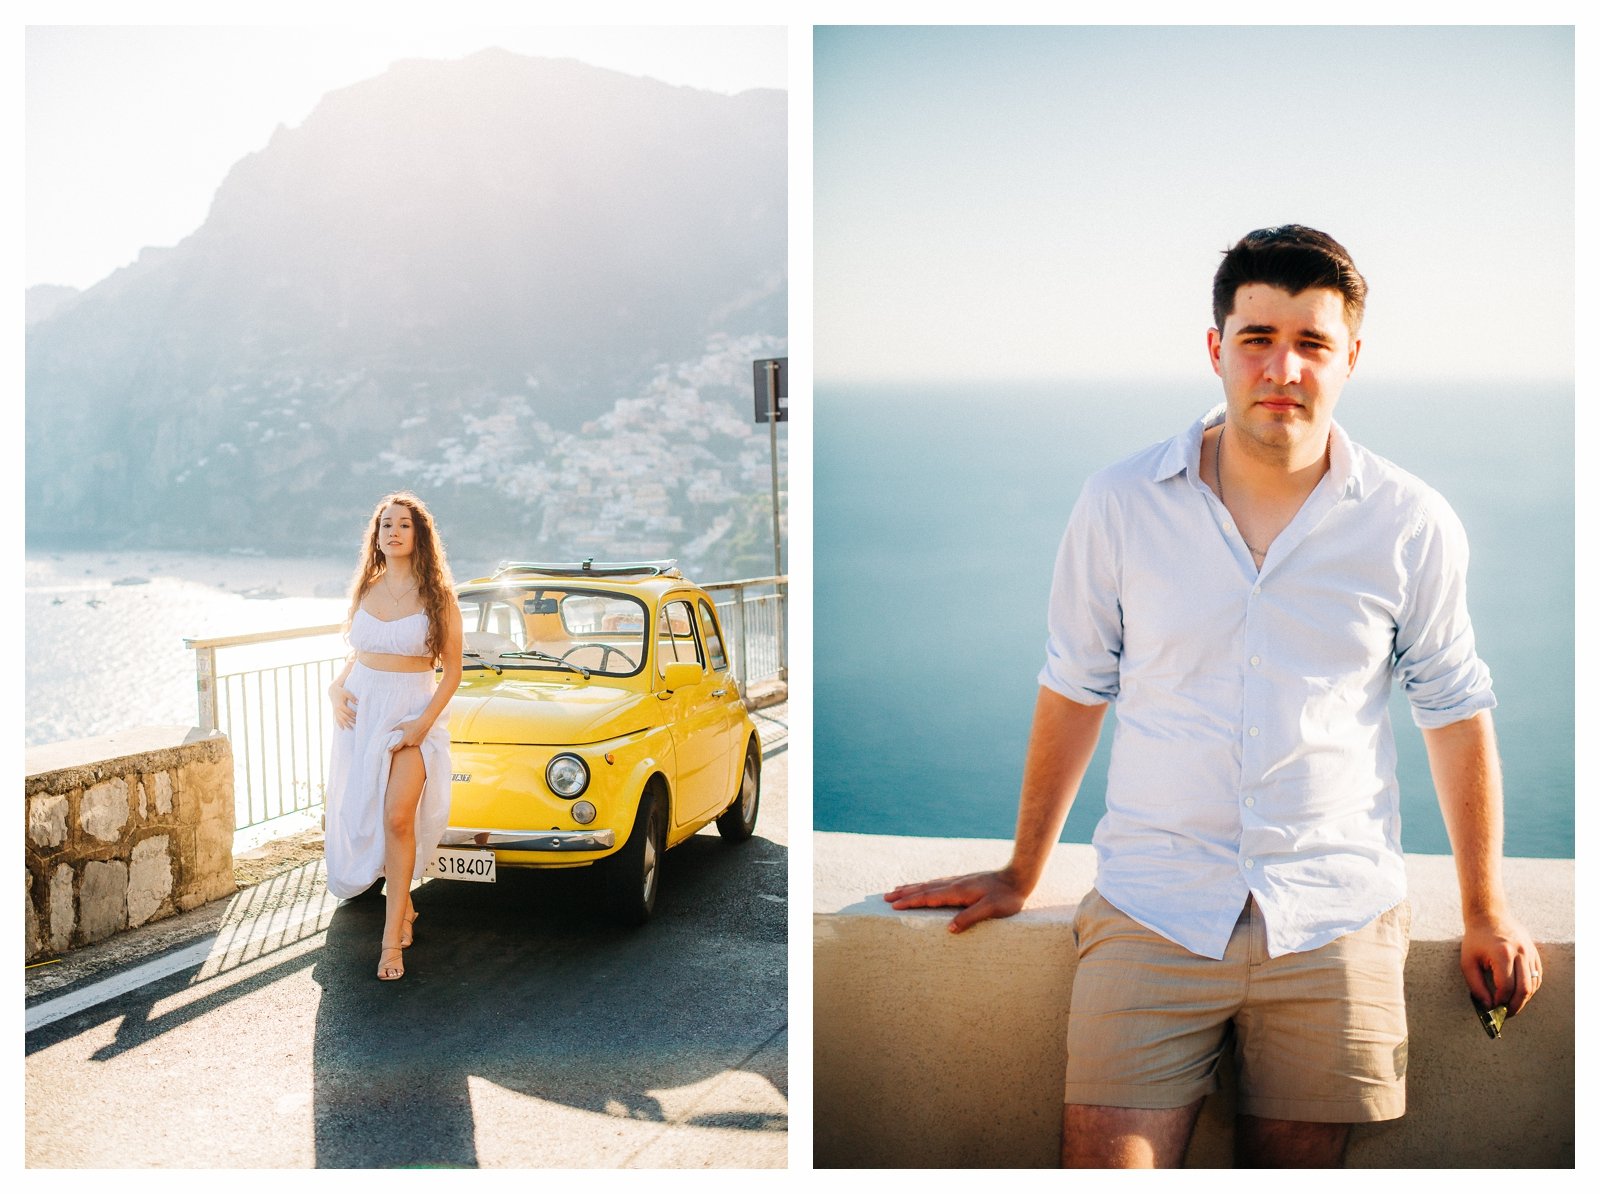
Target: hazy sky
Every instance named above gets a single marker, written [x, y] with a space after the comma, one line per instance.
[130, 130]
[1052, 202]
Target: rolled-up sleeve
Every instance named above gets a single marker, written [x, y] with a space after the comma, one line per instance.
[1436, 659]
[1083, 650]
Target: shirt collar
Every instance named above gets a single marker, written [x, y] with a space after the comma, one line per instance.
[1182, 455]
[1183, 451]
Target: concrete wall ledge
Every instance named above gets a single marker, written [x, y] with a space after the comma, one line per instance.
[934, 1050]
[766, 693]
[83, 762]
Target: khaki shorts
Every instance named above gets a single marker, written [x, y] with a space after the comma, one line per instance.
[1319, 1036]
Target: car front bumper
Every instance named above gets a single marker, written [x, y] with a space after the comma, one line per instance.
[551, 841]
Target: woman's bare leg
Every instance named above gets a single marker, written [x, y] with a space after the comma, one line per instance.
[406, 777]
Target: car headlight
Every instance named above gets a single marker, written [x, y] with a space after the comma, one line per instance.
[567, 775]
[583, 812]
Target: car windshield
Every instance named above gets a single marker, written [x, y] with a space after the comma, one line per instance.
[554, 628]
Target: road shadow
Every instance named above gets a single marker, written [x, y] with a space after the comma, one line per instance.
[526, 984]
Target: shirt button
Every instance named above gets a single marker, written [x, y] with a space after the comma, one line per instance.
[1256, 590]
[1249, 863]
[1255, 661]
[1254, 732]
[1249, 802]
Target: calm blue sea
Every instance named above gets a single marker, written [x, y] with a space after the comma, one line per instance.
[937, 516]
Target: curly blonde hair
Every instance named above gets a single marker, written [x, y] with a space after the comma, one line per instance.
[435, 585]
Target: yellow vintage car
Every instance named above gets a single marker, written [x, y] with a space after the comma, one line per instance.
[598, 724]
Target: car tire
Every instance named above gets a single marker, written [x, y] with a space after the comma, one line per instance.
[739, 821]
[633, 873]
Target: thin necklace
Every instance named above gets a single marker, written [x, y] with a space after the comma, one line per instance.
[395, 601]
[1255, 551]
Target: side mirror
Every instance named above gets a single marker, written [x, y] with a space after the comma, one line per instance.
[682, 675]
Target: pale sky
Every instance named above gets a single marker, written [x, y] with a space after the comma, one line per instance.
[1052, 202]
[129, 130]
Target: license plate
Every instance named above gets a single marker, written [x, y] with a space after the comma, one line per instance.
[474, 866]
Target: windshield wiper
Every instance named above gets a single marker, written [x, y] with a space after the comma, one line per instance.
[582, 671]
[482, 662]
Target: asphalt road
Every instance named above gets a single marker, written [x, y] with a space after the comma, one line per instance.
[528, 1030]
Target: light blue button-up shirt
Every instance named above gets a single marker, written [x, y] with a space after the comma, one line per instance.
[1253, 753]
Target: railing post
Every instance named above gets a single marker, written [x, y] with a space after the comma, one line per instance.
[205, 667]
[782, 612]
[744, 640]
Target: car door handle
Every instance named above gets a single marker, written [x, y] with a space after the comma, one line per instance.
[717, 692]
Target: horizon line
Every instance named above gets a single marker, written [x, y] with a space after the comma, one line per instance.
[946, 381]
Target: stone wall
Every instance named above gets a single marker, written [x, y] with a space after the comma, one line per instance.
[123, 830]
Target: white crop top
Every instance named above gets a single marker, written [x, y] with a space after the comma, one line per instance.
[403, 636]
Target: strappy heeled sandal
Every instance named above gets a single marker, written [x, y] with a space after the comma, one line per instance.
[398, 965]
[407, 933]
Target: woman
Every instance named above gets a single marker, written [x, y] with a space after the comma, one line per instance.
[389, 777]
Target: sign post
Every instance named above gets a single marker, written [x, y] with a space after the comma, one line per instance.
[772, 408]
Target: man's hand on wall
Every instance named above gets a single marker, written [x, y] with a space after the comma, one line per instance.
[979, 896]
[1501, 963]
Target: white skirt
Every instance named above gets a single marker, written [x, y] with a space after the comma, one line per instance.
[358, 777]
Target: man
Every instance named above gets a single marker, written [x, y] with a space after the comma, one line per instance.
[1247, 592]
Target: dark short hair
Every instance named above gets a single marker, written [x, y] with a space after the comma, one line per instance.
[1293, 258]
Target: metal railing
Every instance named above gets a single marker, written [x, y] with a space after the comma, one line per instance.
[754, 616]
[280, 724]
[278, 719]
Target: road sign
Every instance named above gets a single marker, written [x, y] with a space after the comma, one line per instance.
[763, 393]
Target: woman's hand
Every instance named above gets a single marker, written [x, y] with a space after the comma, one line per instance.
[344, 705]
[411, 733]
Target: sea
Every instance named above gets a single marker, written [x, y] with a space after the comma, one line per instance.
[937, 513]
[105, 630]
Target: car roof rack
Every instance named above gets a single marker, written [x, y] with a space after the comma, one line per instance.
[587, 568]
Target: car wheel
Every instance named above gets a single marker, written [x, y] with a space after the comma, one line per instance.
[739, 821]
[633, 873]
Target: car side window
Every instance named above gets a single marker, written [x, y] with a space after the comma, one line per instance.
[502, 618]
[713, 640]
[675, 636]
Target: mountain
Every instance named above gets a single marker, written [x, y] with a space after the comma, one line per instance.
[45, 300]
[463, 261]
